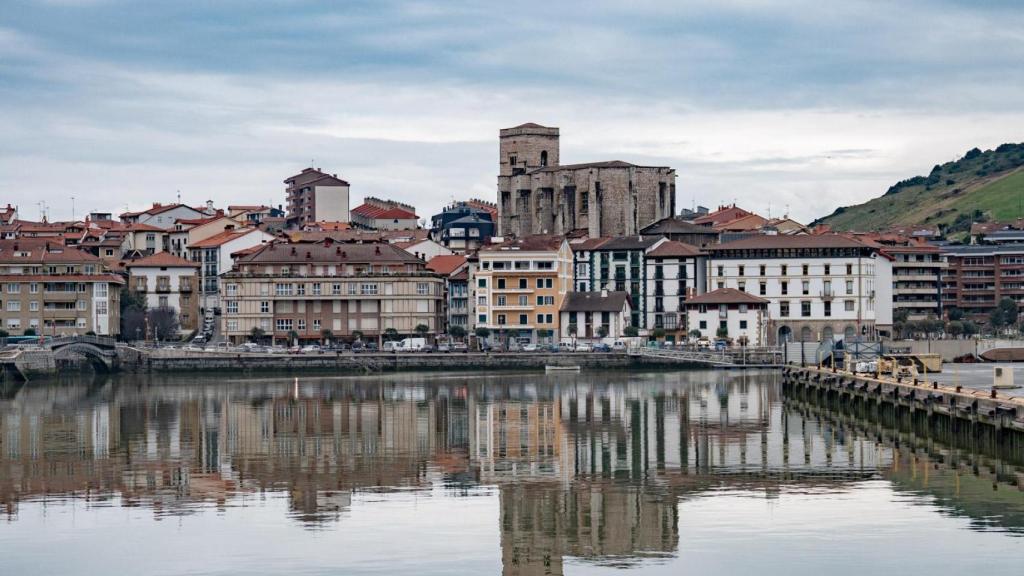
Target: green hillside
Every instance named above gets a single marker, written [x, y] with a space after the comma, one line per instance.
[981, 186]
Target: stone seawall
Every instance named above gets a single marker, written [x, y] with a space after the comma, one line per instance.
[372, 363]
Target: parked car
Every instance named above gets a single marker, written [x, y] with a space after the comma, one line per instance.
[602, 347]
[444, 348]
[460, 347]
[276, 350]
[583, 347]
[192, 348]
[703, 343]
[530, 348]
[250, 347]
[312, 349]
[619, 346]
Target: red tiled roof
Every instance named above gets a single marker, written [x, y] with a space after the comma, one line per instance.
[722, 215]
[588, 244]
[725, 296]
[445, 264]
[397, 214]
[138, 227]
[222, 238]
[673, 249]
[785, 241]
[161, 260]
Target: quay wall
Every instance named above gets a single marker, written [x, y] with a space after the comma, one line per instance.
[372, 363]
[994, 420]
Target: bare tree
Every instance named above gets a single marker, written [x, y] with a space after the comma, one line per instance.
[163, 323]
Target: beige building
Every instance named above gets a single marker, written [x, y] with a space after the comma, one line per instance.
[168, 281]
[537, 195]
[309, 287]
[315, 196]
[56, 290]
[520, 285]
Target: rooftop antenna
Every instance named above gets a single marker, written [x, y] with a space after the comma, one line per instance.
[769, 209]
[179, 196]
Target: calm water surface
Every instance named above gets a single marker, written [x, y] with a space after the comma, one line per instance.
[664, 473]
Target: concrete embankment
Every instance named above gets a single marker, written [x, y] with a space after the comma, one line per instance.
[992, 418]
[370, 363]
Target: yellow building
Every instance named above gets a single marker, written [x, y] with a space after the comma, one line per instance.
[520, 285]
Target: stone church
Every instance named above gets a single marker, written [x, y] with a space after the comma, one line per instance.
[537, 195]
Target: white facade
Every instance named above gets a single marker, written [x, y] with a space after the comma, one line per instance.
[741, 321]
[426, 249]
[814, 292]
[167, 218]
[331, 203]
[165, 286]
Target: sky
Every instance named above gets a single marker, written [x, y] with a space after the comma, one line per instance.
[798, 106]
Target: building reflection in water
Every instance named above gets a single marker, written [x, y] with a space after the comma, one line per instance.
[587, 466]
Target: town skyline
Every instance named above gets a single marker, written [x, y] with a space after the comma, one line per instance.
[407, 98]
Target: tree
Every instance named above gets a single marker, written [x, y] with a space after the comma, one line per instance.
[256, 334]
[658, 333]
[631, 331]
[602, 331]
[955, 328]
[357, 334]
[133, 315]
[133, 323]
[955, 314]
[457, 332]
[970, 328]
[4, 334]
[293, 337]
[694, 333]
[422, 330]
[572, 328]
[390, 334]
[325, 336]
[1009, 311]
[722, 332]
[30, 332]
[482, 332]
[163, 323]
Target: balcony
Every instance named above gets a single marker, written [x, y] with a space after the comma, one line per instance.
[163, 288]
[184, 286]
[60, 296]
[827, 294]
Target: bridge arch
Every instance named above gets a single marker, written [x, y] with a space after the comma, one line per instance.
[101, 359]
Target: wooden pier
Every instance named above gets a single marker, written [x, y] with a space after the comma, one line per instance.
[990, 416]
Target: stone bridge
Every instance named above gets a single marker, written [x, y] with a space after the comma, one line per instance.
[100, 351]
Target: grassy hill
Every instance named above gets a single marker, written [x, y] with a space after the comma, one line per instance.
[981, 186]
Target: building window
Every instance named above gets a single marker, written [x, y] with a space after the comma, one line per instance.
[33, 288]
[784, 308]
[481, 318]
[14, 288]
[501, 301]
[232, 324]
[742, 286]
[283, 289]
[548, 318]
[316, 325]
[721, 270]
[481, 283]
[523, 320]
[523, 300]
[501, 284]
[317, 289]
[762, 289]
[828, 269]
[283, 324]
[229, 289]
[80, 304]
[523, 285]
[501, 319]
[785, 269]
[300, 290]
[161, 302]
[368, 289]
[302, 325]
[14, 306]
[33, 306]
[422, 288]
[849, 286]
[849, 269]
[828, 308]
[805, 287]
[232, 306]
[743, 324]
[336, 289]
[805, 269]
[805, 309]
[540, 282]
[784, 285]
[848, 305]
[703, 324]
[742, 269]
[540, 318]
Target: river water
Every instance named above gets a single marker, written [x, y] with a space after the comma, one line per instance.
[691, 472]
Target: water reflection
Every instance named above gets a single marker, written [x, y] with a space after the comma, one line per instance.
[588, 467]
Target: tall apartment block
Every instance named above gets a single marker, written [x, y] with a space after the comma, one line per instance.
[315, 196]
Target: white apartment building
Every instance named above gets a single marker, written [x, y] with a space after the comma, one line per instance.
[168, 281]
[729, 313]
[818, 286]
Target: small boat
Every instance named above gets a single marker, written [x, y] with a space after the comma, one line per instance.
[551, 368]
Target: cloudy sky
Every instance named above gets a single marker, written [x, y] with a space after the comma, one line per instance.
[805, 104]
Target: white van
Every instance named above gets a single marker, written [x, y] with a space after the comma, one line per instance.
[411, 344]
